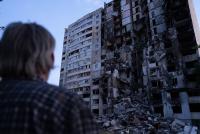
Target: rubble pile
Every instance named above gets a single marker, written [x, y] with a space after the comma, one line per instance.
[133, 115]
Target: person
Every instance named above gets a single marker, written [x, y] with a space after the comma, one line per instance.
[28, 104]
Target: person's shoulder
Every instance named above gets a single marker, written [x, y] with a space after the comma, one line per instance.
[67, 97]
[46, 93]
[50, 88]
[39, 89]
[64, 99]
[62, 91]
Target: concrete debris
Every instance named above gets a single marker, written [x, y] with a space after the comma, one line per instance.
[133, 115]
[190, 130]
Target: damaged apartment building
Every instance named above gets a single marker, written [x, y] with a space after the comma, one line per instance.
[137, 46]
[149, 46]
[169, 60]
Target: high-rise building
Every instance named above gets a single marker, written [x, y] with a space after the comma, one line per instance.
[81, 59]
[145, 46]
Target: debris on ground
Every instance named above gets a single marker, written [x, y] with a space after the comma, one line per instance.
[133, 115]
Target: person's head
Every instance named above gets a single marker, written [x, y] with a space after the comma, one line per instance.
[26, 51]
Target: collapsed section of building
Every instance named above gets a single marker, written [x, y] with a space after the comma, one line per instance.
[150, 46]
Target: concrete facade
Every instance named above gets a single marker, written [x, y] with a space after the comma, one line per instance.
[81, 59]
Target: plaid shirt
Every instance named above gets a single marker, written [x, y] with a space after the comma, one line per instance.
[35, 107]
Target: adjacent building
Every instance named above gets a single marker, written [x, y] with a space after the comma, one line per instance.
[81, 59]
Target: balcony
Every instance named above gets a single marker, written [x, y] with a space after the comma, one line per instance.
[191, 57]
[152, 65]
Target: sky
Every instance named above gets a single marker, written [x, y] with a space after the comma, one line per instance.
[197, 9]
[55, 15]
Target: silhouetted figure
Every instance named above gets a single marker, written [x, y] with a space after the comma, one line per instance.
[28, 104]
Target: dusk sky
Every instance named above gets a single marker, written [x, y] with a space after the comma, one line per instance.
[55, 15]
